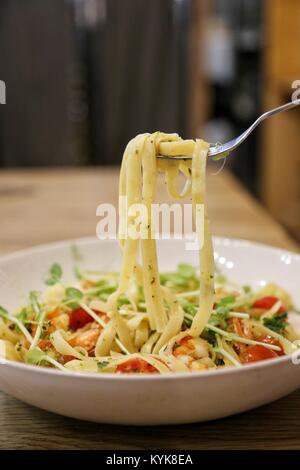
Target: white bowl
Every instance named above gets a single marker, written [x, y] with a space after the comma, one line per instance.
[149, 400]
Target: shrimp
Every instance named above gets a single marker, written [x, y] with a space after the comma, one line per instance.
[88, 338]
[190, 350]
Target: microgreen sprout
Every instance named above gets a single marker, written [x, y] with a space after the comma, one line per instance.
[36, 356]
[73, 296]
[4, 314]
[54, 275]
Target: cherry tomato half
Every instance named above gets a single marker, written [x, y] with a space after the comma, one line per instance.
[258, 352]
[268, 302]
[79, 318]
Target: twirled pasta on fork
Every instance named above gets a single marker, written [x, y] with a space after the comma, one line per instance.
[141, 320]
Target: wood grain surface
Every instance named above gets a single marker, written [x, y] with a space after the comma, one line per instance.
[41, 206]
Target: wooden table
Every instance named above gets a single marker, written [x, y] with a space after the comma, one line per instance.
[40, 206]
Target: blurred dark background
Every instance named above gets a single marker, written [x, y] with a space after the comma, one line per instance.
[85, 76]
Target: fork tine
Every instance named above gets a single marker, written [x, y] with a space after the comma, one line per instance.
[217, 149]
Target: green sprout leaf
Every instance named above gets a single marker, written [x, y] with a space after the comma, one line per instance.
[77, 257]
[221, 314]
[35, 305]
[226, 301]
[186, 270]
[220, 157]
[78, 272]
[123, 300]
[102, 292]
[22, 316]
[221, 279]
[185, 275]
[73, 293]
[3, 312]
[73, 297]
[247, 289]
[35, 356]
[173, 278]
[54, 275]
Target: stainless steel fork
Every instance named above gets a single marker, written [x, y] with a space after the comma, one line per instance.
[220, 150]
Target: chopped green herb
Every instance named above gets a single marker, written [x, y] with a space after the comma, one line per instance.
[220, 361]
[210, 336]
[102, 364]
[276, 323]
[190, 308]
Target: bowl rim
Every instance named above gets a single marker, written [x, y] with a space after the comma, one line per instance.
[141, 377]
[205, 375]
[219, 240]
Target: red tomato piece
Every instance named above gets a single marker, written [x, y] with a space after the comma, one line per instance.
[258, 353]
[269, 340]
[79, 318]
[136, 365]
[67, 358]
[266, 303]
